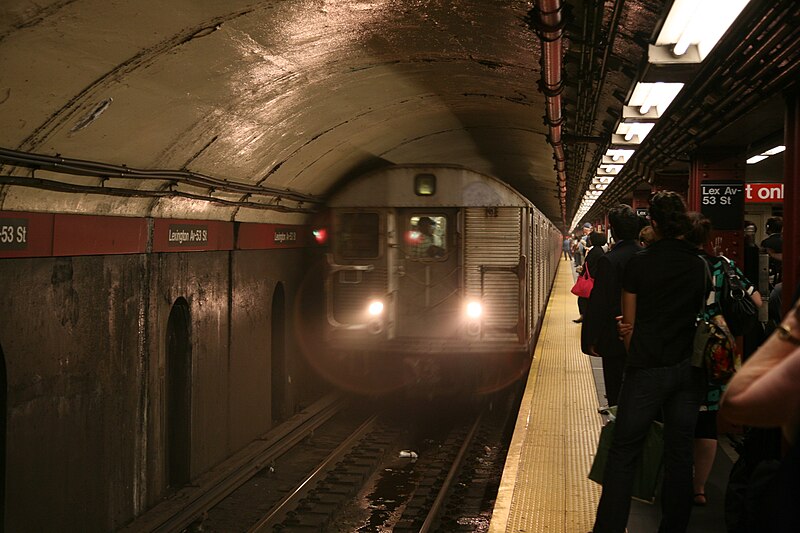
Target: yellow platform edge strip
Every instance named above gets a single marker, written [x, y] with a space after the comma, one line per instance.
[544, 486]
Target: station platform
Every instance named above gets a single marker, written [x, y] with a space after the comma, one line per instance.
[545, 487]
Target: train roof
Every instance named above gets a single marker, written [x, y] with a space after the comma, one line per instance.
[457, 186]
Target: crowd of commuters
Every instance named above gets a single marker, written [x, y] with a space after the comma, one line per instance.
[651, 288]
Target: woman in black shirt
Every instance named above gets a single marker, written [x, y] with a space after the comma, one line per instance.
[663, 291]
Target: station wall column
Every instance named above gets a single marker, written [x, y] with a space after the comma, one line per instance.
[716, 189]
[791, 200]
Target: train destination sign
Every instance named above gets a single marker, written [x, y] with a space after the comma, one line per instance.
[13, 233]
[723, 203]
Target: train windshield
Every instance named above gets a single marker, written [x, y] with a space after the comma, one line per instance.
[358, 235]
[426, 237]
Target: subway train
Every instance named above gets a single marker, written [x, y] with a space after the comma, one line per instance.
[435, 280]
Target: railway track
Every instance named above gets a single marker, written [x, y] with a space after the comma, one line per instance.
[343, 468]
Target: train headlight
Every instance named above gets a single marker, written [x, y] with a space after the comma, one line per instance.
[375, 312]
[474, 310]
[375, 308]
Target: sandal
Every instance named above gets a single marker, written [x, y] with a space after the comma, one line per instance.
[700, 499]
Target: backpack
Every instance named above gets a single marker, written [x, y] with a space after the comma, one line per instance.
[738, 309]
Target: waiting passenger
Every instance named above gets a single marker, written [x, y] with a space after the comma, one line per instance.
[773, 245]
[647, 236]
[705, 435]
[599, 333]
[595, 240]
[662, 289]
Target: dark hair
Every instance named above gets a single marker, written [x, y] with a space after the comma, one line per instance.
[774, 224]
[624, 222]
[668, 210]
[701, 229]
[597, 238]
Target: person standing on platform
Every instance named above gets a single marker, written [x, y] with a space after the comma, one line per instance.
[773, 245]
[662, 291]
[705, 437]
[755, 335]
[595, 242]
[599, 332]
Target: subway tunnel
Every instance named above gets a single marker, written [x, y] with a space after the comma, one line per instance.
[163, 167]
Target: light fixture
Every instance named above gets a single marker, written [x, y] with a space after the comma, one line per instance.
[763, 155]
[773, 151]
[617, 155]
[634, 132]
[692, 29]
[651, 96]
[756, 159]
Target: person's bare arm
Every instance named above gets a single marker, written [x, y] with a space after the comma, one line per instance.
[628, 317]
[765, 392]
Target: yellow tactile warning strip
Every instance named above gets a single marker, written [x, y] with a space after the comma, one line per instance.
[545, 485]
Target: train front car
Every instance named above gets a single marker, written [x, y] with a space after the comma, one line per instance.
[435, 282]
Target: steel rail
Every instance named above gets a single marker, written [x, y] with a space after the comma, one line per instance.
[433, 513]
[275, 444]
[291, 499]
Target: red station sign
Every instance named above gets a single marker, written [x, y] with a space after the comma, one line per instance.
[763, 193]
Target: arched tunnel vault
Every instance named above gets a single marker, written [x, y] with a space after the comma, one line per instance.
[291, 94]
[256, 110]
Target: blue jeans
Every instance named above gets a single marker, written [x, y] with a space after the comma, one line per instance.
[676, 391]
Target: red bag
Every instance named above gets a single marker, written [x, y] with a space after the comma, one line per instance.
[584, 284]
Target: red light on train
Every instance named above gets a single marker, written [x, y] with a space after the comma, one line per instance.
[320, 235]
[413, 237]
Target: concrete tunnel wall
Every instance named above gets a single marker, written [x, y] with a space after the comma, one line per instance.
[85, 354]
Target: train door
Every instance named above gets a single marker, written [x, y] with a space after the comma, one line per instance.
[428, 292]
[494, 269]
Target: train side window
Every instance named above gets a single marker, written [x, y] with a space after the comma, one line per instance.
[426, 237]
[358, 236]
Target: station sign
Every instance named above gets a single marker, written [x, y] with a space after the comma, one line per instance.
[642, 212]
[722, 202]
[763, 193]
[13, 234]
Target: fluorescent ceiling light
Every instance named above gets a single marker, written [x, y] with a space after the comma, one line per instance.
[699, 23]
[763, 155]
[610, 169]
[634, 129]
[619, 155]
[773, 151]
[654, 95]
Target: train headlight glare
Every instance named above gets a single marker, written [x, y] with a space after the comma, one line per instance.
[375, 308]
[474, 310]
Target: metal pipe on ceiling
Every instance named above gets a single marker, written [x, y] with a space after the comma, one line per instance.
[550, 28]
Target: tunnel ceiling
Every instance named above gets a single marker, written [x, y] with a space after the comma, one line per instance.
[153, 108]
